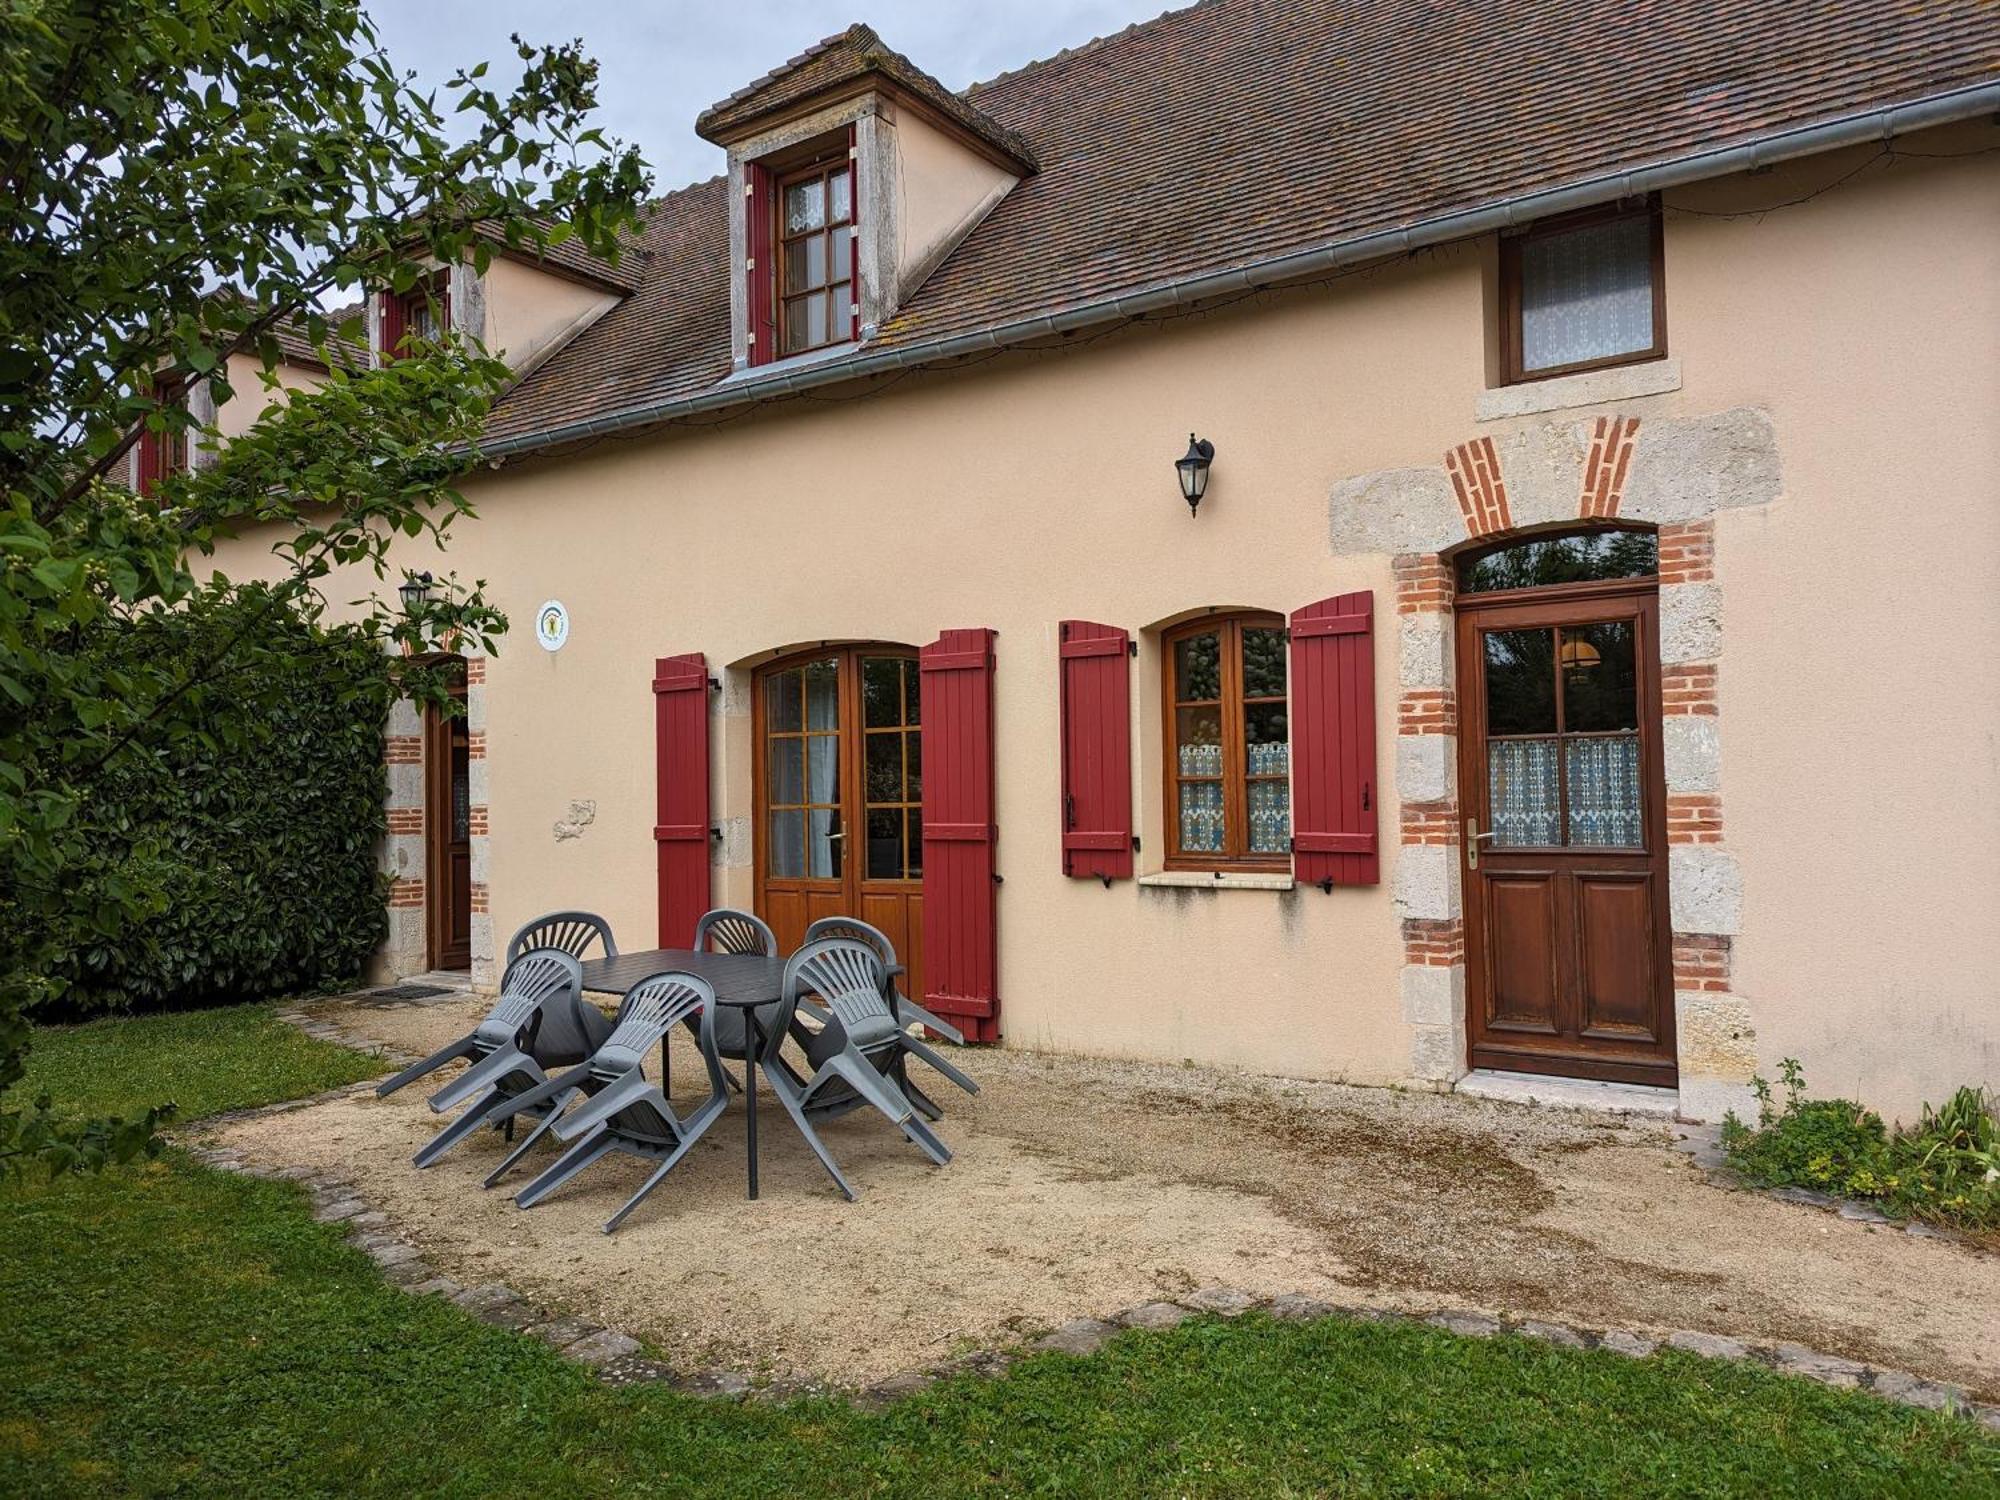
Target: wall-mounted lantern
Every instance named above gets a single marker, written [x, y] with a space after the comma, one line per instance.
[1193, 469]
[416, 591]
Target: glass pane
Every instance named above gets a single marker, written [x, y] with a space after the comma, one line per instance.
[885, 844]
[781, 701]
[1520, 682]
[822, 848]
[1600, 690]
[1198, 735]
[913, 690]
[786, 773]
[788, 843]
[1587, 293]
[1270, 817]
[1564, 559]
[1263, 663]
[843, 255]
[1201, 817]
[1264, 730]
[913, 762]
[823, 695]
[913, 820]
[816, 320]
[822, 768]
[1521, 794]
[461, 789]
[796, 321]
[885, 767]
[815, 261]
[881, 691]
[797, 266]
[1603, 772]
[838, 196]
[805, 205]
[1198, 668]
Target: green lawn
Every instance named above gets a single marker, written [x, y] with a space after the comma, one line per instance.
[175, 1330]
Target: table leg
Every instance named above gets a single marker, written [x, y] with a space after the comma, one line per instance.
[754, 1035]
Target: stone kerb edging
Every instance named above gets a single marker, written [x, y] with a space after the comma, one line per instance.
[619, 1360]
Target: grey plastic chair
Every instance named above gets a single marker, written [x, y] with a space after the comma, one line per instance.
[538, 1025]
[907, 1011]
[528, 982]
[571, 931]
[626, 1111]
[853, 1054]
[726, 930]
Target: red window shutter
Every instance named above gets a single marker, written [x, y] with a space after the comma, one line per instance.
[680, 699]
[959, 907]
[1096, 750]
[760, 286]
[1333, 742]
[389, 314]
[152, 461]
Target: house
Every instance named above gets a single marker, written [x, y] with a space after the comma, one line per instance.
[1566, 650]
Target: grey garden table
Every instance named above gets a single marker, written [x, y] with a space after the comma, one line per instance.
[743, 981]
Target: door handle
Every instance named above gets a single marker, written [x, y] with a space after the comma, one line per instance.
[1472, 838]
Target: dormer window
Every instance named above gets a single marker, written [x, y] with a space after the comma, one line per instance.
[163, 454]
[816, 296]
[420, 314]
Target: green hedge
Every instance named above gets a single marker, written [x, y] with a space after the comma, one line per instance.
[259, 830]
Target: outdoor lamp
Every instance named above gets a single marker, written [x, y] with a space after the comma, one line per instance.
[416, 591]
[1579, 656]
[1193, 469]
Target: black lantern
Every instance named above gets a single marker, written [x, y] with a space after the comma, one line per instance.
[416, 591]
[1193, 469]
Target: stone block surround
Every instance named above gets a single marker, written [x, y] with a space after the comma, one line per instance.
[1673, 473]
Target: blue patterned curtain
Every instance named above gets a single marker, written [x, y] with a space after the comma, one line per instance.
[1603, 773]
[1587, 294]
[1523, 792]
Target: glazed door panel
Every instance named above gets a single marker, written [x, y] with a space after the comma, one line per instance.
[1564, 848]
[448, 837]
[839, 791]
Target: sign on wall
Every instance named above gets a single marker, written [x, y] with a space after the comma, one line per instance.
[552, 625]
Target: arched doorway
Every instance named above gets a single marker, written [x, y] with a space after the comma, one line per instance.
[1563, 795]
[448, 830]
[839, 794]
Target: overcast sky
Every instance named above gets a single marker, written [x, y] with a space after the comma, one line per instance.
[663, 63]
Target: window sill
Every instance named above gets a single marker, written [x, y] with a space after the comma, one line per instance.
[1214, 880]
[830, 354]
[1591, 388]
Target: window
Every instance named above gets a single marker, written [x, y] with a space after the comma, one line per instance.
[165, 453]
[422, 313]
[816, 256]
[1581, 292]
[1541, 562]
[1229, 800]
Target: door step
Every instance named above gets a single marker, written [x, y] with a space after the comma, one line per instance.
[1571, 1093]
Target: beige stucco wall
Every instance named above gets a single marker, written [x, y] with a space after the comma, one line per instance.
[528, 309]
[1859, 776]
[250, 394]
[944, 189]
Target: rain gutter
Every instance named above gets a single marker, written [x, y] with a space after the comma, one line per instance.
[1784, 145]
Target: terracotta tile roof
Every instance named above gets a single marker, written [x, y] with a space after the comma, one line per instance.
[842, 59]
[571, 258]
[1238, 130]
[346, 334]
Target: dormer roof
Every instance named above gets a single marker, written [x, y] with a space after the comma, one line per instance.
[843, 64]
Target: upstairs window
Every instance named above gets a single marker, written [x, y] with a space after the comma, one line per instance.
[816, 256]
[163, 454]
[1229, 803]
[421, 314]
[1582, 292]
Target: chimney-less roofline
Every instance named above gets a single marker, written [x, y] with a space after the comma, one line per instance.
[1505, 213]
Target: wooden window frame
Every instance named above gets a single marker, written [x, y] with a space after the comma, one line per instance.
[430, 291]
[824, 160]
[1235, 855]
[163, 454]
[1511, 371]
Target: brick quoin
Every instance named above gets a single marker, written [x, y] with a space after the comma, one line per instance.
[1435, 942]
[406, 820]
[1427, 711]
[1688, 689]
[475, 745]
[405, 894]
[1423, 583]
[1701, 962]
[478, 897]
[475, 670]
[1430, 823]
[1687, 553]
[1604, 471]
[403, 750]
[475, 821]
[1694, 818]
[1482, 494]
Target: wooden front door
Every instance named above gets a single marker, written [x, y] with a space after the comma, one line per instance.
[1567, 931]
[839, 795]
[448, 836]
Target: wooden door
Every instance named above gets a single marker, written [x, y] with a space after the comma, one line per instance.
[839, 795]
[1563, 795]
[448, 836]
